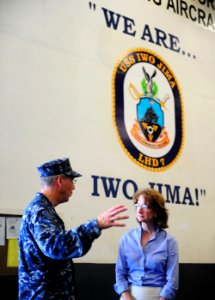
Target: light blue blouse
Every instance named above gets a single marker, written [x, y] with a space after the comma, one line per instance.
[155, 265]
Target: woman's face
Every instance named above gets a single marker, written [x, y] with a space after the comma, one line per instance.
[144, 212]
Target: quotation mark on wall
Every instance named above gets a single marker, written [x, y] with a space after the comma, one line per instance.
[199, 193]
[92, 5]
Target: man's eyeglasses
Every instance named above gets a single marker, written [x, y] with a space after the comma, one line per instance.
[145, 206]
[74, 180]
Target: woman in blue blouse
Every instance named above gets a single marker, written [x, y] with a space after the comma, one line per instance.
[147, 266]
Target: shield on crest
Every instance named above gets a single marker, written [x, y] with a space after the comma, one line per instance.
[150, 118]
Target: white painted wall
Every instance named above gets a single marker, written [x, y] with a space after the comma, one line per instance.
[56, 65]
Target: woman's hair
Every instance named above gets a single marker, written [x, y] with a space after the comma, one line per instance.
[155, 201]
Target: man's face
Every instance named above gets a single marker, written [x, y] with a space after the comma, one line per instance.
[66, 187]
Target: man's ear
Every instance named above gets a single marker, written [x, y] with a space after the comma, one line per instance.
[59, 180]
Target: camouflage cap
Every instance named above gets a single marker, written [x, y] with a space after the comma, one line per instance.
[57, 167]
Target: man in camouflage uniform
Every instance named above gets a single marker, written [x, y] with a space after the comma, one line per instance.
[46, 248]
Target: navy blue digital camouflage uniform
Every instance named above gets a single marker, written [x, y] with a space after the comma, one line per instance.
[46, 250]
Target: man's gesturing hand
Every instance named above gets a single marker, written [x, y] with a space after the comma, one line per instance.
[110, 217]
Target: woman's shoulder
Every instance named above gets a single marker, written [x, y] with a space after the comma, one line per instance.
[169, 236]
[131, 233]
